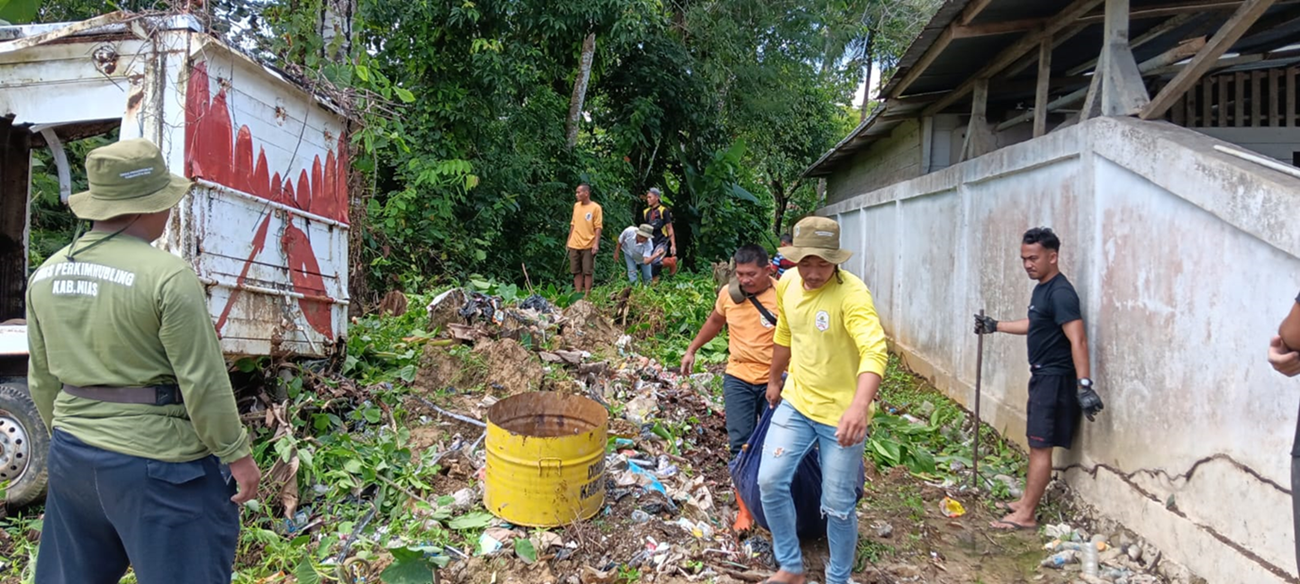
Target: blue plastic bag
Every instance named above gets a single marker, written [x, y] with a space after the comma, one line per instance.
[805, 487]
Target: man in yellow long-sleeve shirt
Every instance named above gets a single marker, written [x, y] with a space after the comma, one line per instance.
[830, 339]
[126, 370]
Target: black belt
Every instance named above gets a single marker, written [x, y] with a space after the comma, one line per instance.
[155, 395]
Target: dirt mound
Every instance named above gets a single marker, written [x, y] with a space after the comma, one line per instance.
[510, 367]
[440, 368]
[586, 329]
[502, 367]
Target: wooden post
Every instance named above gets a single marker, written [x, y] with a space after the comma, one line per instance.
[978, 138]
[1222, 82]
[1223, 39]
[1274, 92]
[1122, 90]
[1239, 101]
[1207, 102]
[1256, 98]
[1040, 95]
[1290, 97]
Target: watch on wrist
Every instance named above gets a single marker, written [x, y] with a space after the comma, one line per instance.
[1085, 383]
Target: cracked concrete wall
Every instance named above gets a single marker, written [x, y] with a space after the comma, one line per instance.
[1185, 260]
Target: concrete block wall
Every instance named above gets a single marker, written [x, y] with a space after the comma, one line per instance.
[1185, 259]
[892, 159]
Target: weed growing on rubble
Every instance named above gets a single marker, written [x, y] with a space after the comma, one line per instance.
[919, 428]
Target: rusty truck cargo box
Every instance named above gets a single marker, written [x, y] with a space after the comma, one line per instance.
[266, 224]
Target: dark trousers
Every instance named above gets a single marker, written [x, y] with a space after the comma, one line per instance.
[171, 521]
[742, 402]
[1295, 504]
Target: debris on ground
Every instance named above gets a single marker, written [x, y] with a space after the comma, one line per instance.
[391, 481]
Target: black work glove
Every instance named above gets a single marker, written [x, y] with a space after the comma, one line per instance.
[985, 325]
[1090, 402]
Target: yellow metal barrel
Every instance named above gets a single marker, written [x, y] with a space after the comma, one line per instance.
[545, 459]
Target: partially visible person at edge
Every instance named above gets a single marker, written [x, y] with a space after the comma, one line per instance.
[749, 344]
[638, 252]
[126, 369]
[831, 341]
[660, 218]
[779, 262]
[584, 238]
[1283, 356]
[1058, 364]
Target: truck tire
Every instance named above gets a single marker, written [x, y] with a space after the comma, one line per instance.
[24, 445]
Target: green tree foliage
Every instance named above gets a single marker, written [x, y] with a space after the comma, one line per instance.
[721, 104]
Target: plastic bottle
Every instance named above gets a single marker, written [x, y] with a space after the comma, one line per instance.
[1058, 560]
[1090, 559]
[640, 516]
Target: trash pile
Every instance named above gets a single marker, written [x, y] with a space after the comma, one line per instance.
[669, 503]
[1099, 557]
[667, 509]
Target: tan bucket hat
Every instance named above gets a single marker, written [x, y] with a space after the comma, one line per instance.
[127, 178]
[817, 236]
[646, 231]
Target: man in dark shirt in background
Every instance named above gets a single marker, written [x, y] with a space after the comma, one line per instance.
[1058, 360]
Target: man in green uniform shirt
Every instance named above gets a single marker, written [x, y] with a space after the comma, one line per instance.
[127, 371]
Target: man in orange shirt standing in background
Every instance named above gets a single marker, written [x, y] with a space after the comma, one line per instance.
[584, 238]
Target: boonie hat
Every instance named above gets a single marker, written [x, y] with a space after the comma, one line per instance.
[816, 236]
[646, 231]
[127, 178]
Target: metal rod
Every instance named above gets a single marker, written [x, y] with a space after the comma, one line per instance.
[979, 370]
[452, 415]
[1260, 160]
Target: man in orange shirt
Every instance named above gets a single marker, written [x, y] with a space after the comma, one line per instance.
[749, 342]
[584, 238]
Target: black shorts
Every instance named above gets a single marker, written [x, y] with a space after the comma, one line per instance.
[1053, 412]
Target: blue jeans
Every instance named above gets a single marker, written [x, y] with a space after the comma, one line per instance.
[633, 267]
[789, 438]
[741, 401]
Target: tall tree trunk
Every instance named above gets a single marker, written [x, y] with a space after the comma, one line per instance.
[781, 199]
[335, 24]
[781, 196]
[580, 89]
[868, 55]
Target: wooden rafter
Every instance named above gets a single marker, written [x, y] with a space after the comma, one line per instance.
[1011, 54]
[1176, 8]
[1178, 53]
[996, 28]
[1156, 32]
[941, 43]
[1229, 33]
[1057, 40]
[972, 10]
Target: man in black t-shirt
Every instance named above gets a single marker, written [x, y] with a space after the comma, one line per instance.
[1058, 361]
[1283, 357]
[660, 218]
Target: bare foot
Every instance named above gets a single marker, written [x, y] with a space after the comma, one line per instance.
[1017, 520]
[784, 577]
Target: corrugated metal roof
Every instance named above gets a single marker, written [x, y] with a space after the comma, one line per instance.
[965, 54]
